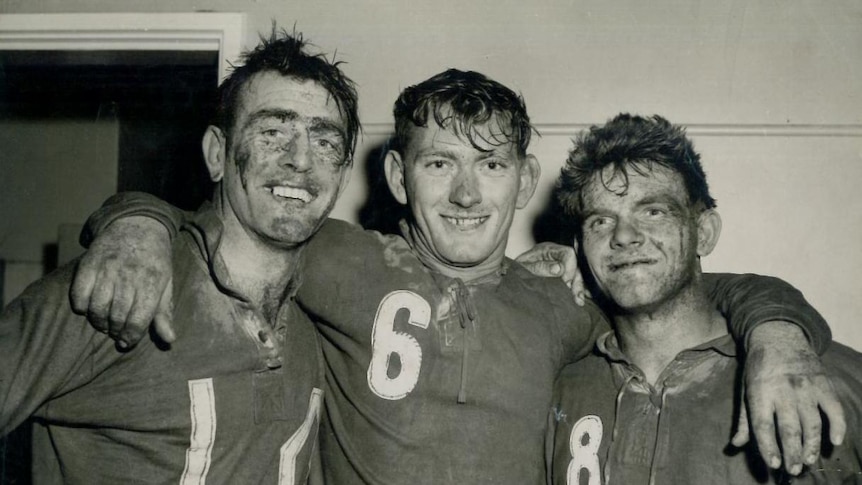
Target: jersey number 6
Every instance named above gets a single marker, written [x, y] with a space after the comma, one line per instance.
[386, 342]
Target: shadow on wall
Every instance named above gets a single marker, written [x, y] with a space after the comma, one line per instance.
[380, 212]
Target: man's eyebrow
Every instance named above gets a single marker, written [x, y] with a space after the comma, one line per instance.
[437, 152]
[586, 214]
[660, 199]
[315, 123]
[319, 124]
[268, 114]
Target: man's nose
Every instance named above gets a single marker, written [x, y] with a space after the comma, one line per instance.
[297, 153]
[626, 233]
[465, 191]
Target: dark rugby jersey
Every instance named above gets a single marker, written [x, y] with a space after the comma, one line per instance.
[233, 400]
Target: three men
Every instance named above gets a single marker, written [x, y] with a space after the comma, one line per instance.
[237, 398]
[441, 353]
[658, 401]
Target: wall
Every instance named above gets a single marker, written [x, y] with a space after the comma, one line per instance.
[771, 90]
[52, 173]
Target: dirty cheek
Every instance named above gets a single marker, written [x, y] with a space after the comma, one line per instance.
[242, 158]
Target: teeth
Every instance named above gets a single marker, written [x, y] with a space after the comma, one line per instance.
[461, 222]
[617, 267]
[292, 193]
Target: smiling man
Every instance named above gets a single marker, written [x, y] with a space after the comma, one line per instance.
[658, 401]
[440, 352]
[237, 398]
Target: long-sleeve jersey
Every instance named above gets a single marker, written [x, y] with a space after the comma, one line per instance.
[233, 400]
[434, 380]
[611, 427]
[430, 379]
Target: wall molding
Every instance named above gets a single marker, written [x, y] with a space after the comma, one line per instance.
[222, 32]
[694, 129]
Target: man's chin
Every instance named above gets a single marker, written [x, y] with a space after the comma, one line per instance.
[291, 235]
[634, 302]
[466, 258]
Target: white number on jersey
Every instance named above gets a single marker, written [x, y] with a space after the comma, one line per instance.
[203, 417]
[385, 342]
[290, 450]
[584, 445]
[203, 414]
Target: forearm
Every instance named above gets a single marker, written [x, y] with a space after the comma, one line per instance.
[126, 204]
[43, 350]
[747, 300]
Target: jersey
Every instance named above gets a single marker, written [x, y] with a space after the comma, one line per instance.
[233, 400]
[435, 380]
[431, 379]
[612, 427]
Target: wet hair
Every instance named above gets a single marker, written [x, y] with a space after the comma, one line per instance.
[462, 101]
[286, 54]
[626, 143]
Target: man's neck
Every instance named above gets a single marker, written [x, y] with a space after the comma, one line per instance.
[259, 270]
[652, 339]
[490, 266]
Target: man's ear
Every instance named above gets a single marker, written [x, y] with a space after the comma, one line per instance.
[215, 151]
[529, 175]
[394, 167]
[708, 231]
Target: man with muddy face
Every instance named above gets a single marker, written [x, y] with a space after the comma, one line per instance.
[245, 372]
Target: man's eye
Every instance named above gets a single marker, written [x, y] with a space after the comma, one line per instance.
[655, 212]
[436, 164]
[598, 223]
[271, 133]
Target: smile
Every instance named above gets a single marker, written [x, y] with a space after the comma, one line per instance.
[285, 192]
[465, 222]
[630, 264]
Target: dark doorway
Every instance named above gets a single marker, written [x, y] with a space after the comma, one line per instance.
[162, 100]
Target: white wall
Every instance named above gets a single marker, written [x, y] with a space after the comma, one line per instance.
[733, 70]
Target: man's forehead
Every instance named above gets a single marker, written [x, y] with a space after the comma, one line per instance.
[488, 137]
[308, 98]
[639, 179]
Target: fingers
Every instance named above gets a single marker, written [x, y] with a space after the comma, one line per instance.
[812, 429]
[549, 259]
[569, 260]
[834, 413]
[120, 281]
[99, 306]
[579, 289]
[741, 437]
[790, 432]
[82, 287]
[118, 316]
[137, 320]
[763, 425]
[547, 268]
[164, 315]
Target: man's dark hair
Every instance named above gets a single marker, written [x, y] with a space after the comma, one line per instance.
[630, 143]
[286, 54]
[463, 100]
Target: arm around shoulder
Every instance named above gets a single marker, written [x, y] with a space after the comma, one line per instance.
[748, 300]
[122, 282]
